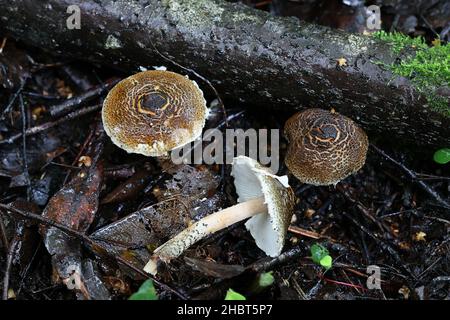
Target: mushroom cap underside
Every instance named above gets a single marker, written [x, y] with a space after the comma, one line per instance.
[253, 180]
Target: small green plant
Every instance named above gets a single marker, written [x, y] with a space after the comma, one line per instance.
[266, 279]
[428, 68]
[233, 295]
[146, 292]
[321, 256]
[262, 282]
[442, 156]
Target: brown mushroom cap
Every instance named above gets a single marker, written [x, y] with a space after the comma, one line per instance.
[153, 112]
[324, 147]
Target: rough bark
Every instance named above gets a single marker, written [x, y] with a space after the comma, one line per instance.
[250, 56]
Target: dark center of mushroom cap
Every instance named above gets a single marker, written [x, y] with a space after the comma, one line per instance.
[324, 133]
[153, 102]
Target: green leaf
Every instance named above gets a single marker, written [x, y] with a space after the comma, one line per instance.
[266, 279]
[326, 262]
[146, 292]
[233, 295]
[318, 252]
[442, 156]
[320, 256]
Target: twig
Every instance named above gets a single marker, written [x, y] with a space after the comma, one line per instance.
[92, 244]
[51, 124]
[392, 214]
[386, 247]
[437, 219]
[80, 152]
[2, 46]
[365, 250]
[24, 273]
[67, 166]
[37, 66]
[119, 172]
[306, 233]
[24, 144]
[40, 96]
[429, 268]
[3, 234]
[424, 176]
[350, 281]
[315, 235]
[366, 212]
[70, 104]
[9, 258]
[264, 264]
[444, 31]
[429, 25]
[300, 292]
[354, 286]
[6, 277]
[441, 279]
[349, 268]
[11, 102]
[412, 175]
[262, 3]
[45, 221]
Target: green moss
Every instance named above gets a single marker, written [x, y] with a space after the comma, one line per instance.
[428, 68]
[399, 41]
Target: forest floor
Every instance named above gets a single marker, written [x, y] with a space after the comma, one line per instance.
[387, 215]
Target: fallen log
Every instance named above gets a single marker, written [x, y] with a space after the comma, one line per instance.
[250, 57]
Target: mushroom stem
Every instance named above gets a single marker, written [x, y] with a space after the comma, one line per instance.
[204, 227]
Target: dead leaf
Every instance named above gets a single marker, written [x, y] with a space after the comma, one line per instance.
[342, 62]
[130, 188]
[404, 290]
[436, 42]
[419, 236]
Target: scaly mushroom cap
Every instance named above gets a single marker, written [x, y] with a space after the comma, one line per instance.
[324, 147]
[153, 112]
[253, 181]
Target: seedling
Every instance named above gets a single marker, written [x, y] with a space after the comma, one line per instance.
[146, 292]
[266, 279]
[442, 156]
[233, 295]
[262, 281]
[320, 256]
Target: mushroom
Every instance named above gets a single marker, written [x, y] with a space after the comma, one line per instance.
[324, 147]
[265, 198]
[154, 112]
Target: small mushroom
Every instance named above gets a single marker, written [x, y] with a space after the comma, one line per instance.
[154, 112]
[264, 197]
[324, 147]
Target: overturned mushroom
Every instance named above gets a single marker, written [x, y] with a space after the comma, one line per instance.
[264, 197]
[324, 147]
[154, 112]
